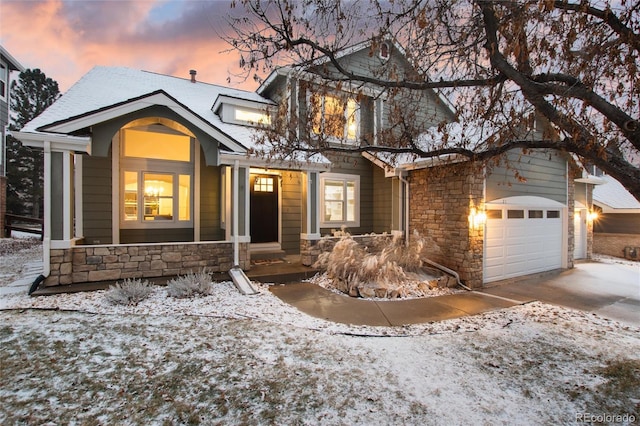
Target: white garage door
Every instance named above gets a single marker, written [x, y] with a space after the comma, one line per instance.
[523, 236]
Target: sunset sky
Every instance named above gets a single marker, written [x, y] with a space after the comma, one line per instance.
[66, 38]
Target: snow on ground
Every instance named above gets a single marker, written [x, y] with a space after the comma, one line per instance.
[233, 359]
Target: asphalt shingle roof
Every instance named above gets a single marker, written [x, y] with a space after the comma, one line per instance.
[614, 195]
[103, 87]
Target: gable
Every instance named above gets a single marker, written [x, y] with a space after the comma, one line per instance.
[103, 133]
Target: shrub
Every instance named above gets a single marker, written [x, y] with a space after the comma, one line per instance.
[352, 266]
[130, 292]
[190, 285]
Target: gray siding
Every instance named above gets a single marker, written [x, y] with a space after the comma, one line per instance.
[618, 223]
[583, 194]
[96, 198]
[542, 174]
[419, 109]
[56, 195]
[210, 186]
[129, 236]
[291, 211]
[382, 201]
[355, 164]
[4, 113]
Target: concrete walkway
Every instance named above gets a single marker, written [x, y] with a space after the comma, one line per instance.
[322, 303]
[610, 290]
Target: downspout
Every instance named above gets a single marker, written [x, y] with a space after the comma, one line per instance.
[448, 271]
[430, 262]
[406, 205]
[236, 188]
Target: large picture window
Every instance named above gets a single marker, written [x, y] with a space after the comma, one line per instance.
[334, 117]
[339, 200]
[157, 179]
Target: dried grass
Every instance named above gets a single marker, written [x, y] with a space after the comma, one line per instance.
[130, 292]
[356, 269]
[190, 285]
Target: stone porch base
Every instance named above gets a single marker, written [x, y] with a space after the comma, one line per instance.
[81, 264]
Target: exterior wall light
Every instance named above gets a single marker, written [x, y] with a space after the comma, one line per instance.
[593, 215]
[477, 218]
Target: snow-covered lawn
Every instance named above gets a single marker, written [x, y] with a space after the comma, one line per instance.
[233, 359]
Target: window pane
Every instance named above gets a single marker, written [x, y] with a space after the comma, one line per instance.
[158, 196]
[333, 211]
[334, 200]
[184, 201]
[553, 214]
[252, 116]
[351, 201]
[316, 113]
[130, 196]
[494, 214]
[263, 184]
[333, 190]
[334, 117]
[535, 214]
[159, 146]
[352, 123]
[515, 214]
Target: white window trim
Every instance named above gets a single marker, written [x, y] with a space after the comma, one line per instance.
[333, 139]
[344, 177]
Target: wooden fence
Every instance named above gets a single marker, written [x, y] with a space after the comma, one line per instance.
[31, 225]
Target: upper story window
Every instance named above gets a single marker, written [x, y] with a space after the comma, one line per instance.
[385, 51]
[252, 117]
[4, 78]
[335, 117]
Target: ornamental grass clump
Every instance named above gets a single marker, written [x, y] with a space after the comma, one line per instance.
[129, 293]
[378, 270]
[190, 285]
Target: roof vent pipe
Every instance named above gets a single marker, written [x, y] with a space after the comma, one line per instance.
[193, 73]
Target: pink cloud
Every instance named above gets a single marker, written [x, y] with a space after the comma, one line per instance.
[66, 39]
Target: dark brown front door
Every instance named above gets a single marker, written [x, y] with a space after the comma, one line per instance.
[264, 208]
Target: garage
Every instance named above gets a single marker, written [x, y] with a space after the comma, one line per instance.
[524, 235]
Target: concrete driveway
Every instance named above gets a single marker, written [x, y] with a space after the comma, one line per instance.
[607, 288]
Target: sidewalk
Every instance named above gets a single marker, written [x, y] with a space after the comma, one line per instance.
[611, 290]
[322, 303]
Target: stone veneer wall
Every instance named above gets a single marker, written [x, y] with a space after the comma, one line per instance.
[311, 249]
[441, 199]
[614, 244]
[81, 264]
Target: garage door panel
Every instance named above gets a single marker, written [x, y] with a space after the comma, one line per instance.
[520, 246]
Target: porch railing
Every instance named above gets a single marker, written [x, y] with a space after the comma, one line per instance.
[31, 225]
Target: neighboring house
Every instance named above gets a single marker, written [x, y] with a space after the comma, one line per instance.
[617, 228]
[7, 64]
[148, 175]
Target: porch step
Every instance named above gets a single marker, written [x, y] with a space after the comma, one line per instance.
[271, 254]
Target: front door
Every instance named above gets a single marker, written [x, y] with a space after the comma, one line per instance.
[264, 208]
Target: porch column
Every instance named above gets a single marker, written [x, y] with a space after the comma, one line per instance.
[310, 226]
[397, 205]
[61, 192]
[240, 211]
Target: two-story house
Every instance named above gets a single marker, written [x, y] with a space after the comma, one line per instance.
[148, 175]
[7, 64]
